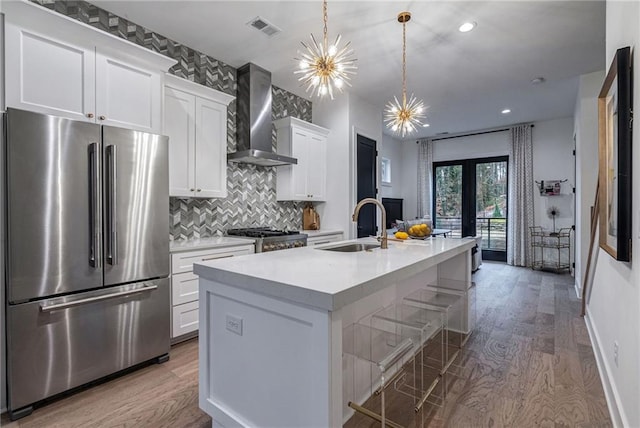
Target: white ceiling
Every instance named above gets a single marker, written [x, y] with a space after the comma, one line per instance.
[465, 79]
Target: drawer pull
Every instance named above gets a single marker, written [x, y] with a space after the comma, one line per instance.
[320, 243]
[217, 257]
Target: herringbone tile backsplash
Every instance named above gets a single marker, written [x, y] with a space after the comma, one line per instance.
[251, 199]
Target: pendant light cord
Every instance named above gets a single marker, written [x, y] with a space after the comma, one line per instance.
[404, 63]
[325, 19]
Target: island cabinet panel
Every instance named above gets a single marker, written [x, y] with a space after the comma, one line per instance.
[252, 346]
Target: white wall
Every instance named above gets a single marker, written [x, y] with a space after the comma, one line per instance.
[410, 179]
[552, 159]
[474, 146]
[585, 129]
[391, 149]
[346, 116]
[613, 312]
[334, 115]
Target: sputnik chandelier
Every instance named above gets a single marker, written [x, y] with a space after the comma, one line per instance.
[403, 118]
[324, 67]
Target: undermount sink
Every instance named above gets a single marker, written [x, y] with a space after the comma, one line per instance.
[351, 247]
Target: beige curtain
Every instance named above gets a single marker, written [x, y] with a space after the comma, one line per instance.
[520, 215]
[425, 174]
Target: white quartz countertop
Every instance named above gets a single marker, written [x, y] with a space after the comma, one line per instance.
[329, 280]
[321, 232]
[207, 243]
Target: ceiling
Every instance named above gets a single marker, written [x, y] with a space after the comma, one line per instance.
[466, 79]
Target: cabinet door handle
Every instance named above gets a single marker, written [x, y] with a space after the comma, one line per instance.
[199, 190]
[217, 257]
[90, 115]
[102, 117]
[192, 190]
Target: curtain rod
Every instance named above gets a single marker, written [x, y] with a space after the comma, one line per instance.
[470, 134]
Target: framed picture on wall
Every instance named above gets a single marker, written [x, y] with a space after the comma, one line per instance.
[614, 136]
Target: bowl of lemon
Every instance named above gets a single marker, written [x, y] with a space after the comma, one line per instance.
[419, 231]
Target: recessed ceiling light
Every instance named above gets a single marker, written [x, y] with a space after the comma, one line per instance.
[466, 27]
[537, 80]
[506, 111]
[426, 125]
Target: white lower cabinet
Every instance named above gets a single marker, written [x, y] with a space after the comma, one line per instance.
[184, 319]
[184, 286]
[312, 241]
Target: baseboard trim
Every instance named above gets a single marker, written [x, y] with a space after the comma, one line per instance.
[616, 411]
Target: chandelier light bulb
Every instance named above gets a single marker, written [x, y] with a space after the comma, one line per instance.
[404, 117]
[323, 67]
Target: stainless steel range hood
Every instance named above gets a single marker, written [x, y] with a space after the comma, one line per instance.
[253, 134]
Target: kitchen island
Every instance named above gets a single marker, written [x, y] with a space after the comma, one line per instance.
[271, 324]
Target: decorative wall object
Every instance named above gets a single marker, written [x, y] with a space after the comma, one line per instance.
[251, 199]
[614, 128]
[550, 187]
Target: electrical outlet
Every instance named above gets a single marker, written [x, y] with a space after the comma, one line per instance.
[234, 324]
[616, 350]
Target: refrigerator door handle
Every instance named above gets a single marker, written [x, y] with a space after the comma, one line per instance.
[95, 245]
[59, 306]
[112, 225]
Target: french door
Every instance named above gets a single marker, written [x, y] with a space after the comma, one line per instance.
[470, 199]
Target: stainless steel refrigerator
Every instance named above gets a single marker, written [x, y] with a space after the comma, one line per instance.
[87, 253]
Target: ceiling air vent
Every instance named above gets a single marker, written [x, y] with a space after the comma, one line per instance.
[264, 26]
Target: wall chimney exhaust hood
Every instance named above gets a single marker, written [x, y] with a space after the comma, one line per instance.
[254, 134]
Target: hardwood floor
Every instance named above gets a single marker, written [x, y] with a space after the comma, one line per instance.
[529, 363]
[159, 395]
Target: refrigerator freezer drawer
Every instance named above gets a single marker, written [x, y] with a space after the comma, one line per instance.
[61, 343]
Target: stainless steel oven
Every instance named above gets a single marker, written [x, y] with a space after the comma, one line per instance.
[267, 239]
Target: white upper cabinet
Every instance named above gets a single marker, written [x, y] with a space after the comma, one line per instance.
[128, 96]
[306, 181]
[49, 76]
[56, 65]
[195, 120]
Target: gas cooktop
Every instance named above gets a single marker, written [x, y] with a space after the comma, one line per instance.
[268, 239]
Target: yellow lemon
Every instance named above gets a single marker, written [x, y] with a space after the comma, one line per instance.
[401, 235]
[423, 228]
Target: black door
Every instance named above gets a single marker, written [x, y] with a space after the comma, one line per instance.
[470, 199]
[366, 186]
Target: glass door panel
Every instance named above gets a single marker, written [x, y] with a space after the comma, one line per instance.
[448, 199]
[491, 206]
[470, 199]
